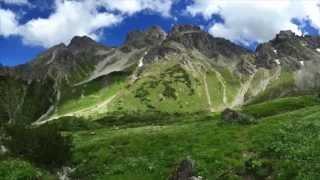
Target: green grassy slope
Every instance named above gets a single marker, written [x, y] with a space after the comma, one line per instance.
[220, 150]
[164, 87]
[167, 86]
[281, 86]
[15, 169]
[90, 94]
[282, 145]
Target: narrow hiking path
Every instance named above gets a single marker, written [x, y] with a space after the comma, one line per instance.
[239, 98]
[82, 112]
[207, 91]
[224, 88]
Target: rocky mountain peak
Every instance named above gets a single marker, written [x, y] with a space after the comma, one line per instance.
[177, 29]
[81, 40]
[285, 35]
[140, 39]
[156, 31]
[193, 37]
[79, 43]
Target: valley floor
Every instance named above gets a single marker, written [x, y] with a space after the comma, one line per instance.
[284, 144]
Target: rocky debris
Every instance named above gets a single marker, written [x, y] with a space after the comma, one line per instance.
[185, 171]
[265, 56]
[246, 67]
[232, 116]
[64, 173]
[312, 41]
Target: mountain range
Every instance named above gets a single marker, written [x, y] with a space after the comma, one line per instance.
[184, 70]
[178, 105]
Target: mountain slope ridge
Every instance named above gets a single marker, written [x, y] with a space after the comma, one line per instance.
[171, 71]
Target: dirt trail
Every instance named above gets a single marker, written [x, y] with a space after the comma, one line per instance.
[81, 112]
[53, 57]
[207, 92]
[222, 82]
[239, 98]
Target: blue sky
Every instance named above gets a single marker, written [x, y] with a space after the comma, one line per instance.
[28, 27]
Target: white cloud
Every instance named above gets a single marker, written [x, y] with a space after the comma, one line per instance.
[76, 17]
[259, 20]
[69, 19]
[15, 2]
[132, 6]
[8, 23]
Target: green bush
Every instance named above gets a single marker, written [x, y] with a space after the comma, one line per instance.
[18, 170]
[44, 145]
[71, 123]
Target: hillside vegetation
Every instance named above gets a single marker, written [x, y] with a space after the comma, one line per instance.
[282, 145]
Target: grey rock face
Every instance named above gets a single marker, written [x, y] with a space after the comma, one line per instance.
[266, 55]
[193, 37]
[180, 29]
[246, 67]
[286, 34]
[82, 43]
[287, 50]
[140, 39]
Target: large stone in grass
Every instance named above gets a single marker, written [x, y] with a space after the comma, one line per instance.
[3, 150]
[185, 171]
[232, 116]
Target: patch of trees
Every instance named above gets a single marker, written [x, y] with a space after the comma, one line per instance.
[44, 146]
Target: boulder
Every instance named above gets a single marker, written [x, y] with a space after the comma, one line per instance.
[232, 116]
[185, 171]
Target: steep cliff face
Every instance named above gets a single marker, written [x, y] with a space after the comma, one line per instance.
[184, 70]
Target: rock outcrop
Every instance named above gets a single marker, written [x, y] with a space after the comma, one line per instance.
[232, 116]
[185, 171]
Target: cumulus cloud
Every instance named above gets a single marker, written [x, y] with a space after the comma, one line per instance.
[132, 6]
[69, 19]
[247, 21]
[15, 2]
[76, 17]
[8, 23]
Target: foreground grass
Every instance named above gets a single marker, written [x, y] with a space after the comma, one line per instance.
[222, 151]
[282, 145]
[15, 169]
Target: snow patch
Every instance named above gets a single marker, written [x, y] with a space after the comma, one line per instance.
[140, 62]
[277, 61]
[65, 172]
[275, 51]
[141, 59]
[318, 49]
[3, 149]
